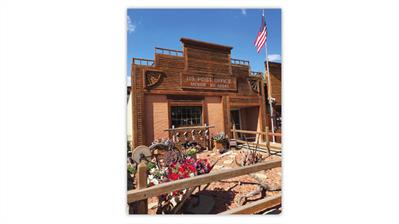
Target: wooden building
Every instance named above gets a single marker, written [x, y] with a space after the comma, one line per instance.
[275, 86]
[199, 85]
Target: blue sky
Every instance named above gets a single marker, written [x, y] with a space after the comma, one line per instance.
[149, 28]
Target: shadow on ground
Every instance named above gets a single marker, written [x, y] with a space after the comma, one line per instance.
[222, 200]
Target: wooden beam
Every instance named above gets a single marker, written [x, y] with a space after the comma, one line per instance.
[273, 145]
[244, 104]
[275, 134]
[267, 140]
[193, 93]
[189, 128]
[250, 132]
[258, 132]
[140, 194]
[235, 136]
[255, 207]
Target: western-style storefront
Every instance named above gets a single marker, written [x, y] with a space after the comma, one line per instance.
[199, 85]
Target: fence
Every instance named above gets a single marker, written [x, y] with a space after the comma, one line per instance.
[159, 50]
[142, 194]
[143, 62]
[261, 139]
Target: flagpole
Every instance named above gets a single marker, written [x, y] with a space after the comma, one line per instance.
[269, 92]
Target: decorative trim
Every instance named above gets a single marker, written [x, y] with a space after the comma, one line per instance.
[153, 78]
[254, 83]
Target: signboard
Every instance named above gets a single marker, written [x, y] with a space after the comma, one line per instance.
[210, 82]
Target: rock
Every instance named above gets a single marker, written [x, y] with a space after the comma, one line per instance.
[228, 162]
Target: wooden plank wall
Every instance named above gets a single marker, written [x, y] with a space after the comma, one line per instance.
[138, 104]
[172, 66]
[205, 61]
[197, 60]
[275, 79]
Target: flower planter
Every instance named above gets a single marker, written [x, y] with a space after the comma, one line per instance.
[217, 146]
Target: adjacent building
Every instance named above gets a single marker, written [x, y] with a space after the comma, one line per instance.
[275, 87]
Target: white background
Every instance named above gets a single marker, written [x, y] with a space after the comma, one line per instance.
[62, 105]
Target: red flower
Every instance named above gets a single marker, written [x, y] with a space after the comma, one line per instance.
[192, 169]
[173, 176]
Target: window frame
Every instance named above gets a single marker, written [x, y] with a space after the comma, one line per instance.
[187, 104]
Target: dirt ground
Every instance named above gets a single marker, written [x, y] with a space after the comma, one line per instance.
[226, 193]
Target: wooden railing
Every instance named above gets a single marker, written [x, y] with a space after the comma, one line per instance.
[142, 194]
[200, 134]
[143, 62]
[239, 62]
[256, 74]
[261, 139]
[255, 207]
[159, 50]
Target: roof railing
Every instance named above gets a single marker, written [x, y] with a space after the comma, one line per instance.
[143, 62]
[256, 73]
[166, 51]
[239, 62]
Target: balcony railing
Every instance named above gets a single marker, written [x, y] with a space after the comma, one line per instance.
[256, 73]
[166, 51]
[143, 62]
[239, 62]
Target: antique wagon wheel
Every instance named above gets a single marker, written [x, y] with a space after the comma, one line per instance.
[141, 152]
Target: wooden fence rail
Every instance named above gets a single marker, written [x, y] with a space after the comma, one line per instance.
[255, 207]
[257, 132]
[273, 146]
[159, 50]
[143, 194]
[143, 62]
[266, 143]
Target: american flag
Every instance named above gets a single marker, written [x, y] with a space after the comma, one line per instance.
[262, 35]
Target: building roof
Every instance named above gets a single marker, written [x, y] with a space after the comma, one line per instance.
[196, 43]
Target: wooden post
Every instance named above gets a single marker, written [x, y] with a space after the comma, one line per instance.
[173, 134]
[141, 184]
[207, 137]
[234, 132]
[267, 139]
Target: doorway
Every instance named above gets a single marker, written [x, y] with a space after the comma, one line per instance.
[235, 118]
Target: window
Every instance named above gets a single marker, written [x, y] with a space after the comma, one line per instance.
[186, 116]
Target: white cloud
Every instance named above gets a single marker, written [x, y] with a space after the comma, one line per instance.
[131, 27]
[274, 57]
[128, 81]
[244, 12]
